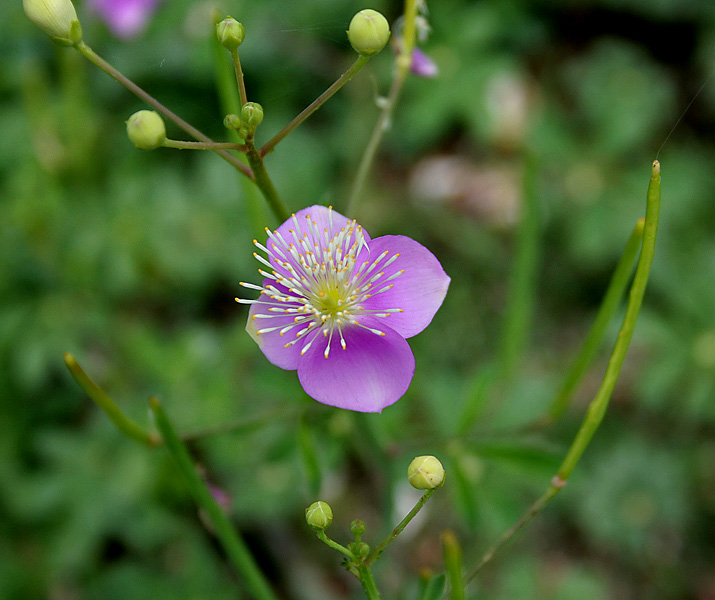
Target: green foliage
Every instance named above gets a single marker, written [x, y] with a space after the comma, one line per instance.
[131, 261]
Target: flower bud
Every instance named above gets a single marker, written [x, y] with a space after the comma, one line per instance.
[232, 121]
[230, 33]
[368, 32]
[357, 528]
[319, 515]
[252, 114]
[54, 17]
[425, 473]
[359, 548]
[146, 130]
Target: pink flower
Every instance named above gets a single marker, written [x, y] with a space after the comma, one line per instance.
[337, 306]
[423, 65]
[125, 18]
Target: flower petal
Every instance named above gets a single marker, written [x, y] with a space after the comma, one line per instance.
[272, 343]
[372, 372]
[419, 291]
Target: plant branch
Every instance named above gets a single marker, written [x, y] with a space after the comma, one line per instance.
[315, 105]
[97, 60]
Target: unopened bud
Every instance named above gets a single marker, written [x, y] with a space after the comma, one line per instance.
[230, 33]
[359, 548]
[57, 18]
[319, 515]
[146, 130]
[357, 528]
[252, 114]
[232, 121]
[425, 473]
[368, 32]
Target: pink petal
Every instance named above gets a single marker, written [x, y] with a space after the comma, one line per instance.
[423, 65]
[272, 343]
[419, 291]
[125, 18]
[374, 371]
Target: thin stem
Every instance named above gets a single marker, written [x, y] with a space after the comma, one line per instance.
[368, 582]
[101, 399]
[375, 553]
[239, 77]
[320, 534]
[182, 145]
[609, 305]
[264, 183]
[511, 532]
[598, 405]
[316, 104]
[97, 60]
[402, 68]
[229, 537]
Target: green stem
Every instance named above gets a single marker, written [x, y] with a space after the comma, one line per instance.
[598, 405]
[520, 303]
[368, 582]
[316, 104]
[402, 68]
[229, 537]
[375, 553]
[239, 77]
[609, 305]
[182, 145]
[101, 399]
[334, 545]
[97, 60]
[264, 183]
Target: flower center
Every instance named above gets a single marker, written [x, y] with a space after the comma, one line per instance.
[317, 280]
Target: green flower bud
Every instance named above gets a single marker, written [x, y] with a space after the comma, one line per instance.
[425, 473]
[252, 114]
[54, 17]
[146, 130]
[319, 515]
[359, 548]
[357, 528]
[368, 32]
[232, 121]
[230, 33]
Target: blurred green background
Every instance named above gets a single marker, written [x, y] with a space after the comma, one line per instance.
[131, 260]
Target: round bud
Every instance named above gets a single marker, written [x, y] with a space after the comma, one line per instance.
[319, 515]
[357, 528]
[232, 121]
[425, 473]
[360, 548]
[230, 33]
[252, 114]
[146, 130]
[368, 32]
[54, 17]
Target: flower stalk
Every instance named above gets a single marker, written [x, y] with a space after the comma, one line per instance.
[98, 61]
[599, 404]
[183, 145]
[316, 104]
[377, 550]
[230, 539]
